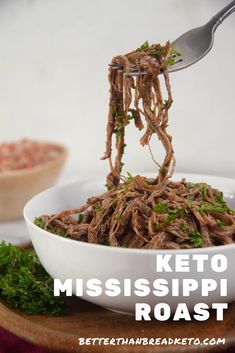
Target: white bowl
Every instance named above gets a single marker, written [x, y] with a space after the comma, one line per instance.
[65, 258]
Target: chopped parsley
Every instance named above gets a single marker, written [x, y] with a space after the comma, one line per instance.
[120, 131]
[204, 190]
[162, 208]
[192, 185]
[117, 216]
[220, 223]
[116, 114]
[176, 52]
[108, 187]
[150, 182]
[80, 218]
[129, 118]
[121, 165]
[124, 190]
[24, 283]
[163, 170]
[123, 148]
[183, 227]
[158, 53]
[170, 218]
[39, 222]
[158, 226]
[144, 46]
[171, 61]
[195, 238]
[210, 207]
[220, 199]
[99, 208]
[167, 104]
[129, 178]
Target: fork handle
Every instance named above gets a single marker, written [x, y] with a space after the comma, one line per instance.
[221, 15]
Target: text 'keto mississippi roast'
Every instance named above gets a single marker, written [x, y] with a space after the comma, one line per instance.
[182, 287]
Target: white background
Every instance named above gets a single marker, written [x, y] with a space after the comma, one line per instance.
[53, 79]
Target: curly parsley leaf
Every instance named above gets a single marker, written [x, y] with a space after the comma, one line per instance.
[144, 46]
[195, 238]
[24, 283]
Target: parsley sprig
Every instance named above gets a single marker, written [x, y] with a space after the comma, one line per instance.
[172, 214]
[195, 238]
[210, 207]
[24, 283]
[144, 46]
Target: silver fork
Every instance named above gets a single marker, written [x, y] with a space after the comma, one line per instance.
[194, 44]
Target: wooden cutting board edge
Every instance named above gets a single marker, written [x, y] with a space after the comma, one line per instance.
[43, 336]
[19, 325]
[67, 342]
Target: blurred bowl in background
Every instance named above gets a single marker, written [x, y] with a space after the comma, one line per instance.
[17, 187]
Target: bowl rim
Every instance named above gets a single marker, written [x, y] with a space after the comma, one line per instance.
[27, 171]
[85, 245]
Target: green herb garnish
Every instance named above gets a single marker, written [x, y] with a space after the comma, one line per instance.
[62, 232]
[50, 228]
[120, 131]
[191, 197]
[183, 227]
[117, 216]
[99, 208]
[129, 178]
[220, 199]
[129, 118]
[174, 54]
[210, 207]
[80, 218]
[167, 104]
[195, 238]
[124, 190]
[108, 187]
[163, 170]
[150, 182]
[171, 218]
[39, 222]
[158, 53]
[171, 61]
[24, 283]
[220, 223]
[158, 226]
[144, 46]
[192, 185]
[123, 148]
[121, 165]
[160, 208]
[204, 190]
[116, 114]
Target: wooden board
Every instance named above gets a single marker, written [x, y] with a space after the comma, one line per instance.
[88, 320]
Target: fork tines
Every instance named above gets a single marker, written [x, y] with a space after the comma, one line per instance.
[133, 72]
